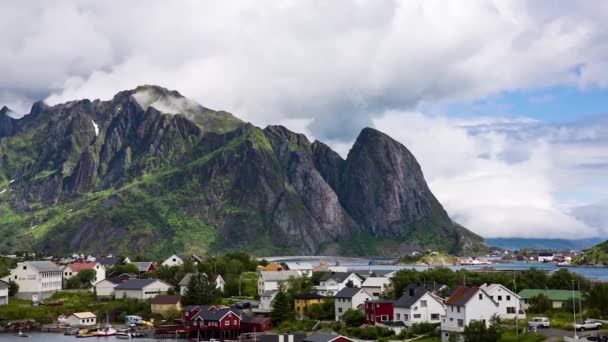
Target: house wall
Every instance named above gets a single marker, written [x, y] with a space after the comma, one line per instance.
[477, 308]
[344, 304]
[75, 321]
[3, 296]
[163, 309]
[417, 313]
[266, 302]
[508, 302]
[31, 282]
[148, 292]
[173, 260]
[104, 289]
[378, 312]
[100, 273]
[300, 305]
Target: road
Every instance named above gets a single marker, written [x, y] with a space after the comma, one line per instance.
[554, 335]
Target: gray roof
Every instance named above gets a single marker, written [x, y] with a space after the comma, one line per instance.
[3, 285]
[348, 292]
[278, 275]
[321, 337]
[186, 279]
[215, 315]
[44, 266]
[135, 284]
[108, 261]
[142, 266]
[407, 300]
[337, 276]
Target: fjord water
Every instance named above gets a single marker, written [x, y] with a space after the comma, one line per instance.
[54, 337]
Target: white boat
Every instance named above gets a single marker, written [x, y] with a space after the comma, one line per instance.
[107, 331]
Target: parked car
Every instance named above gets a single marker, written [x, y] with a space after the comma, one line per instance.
[241, 305]
[532, 329]
[598, 338]
[540, 322]
[588, 325]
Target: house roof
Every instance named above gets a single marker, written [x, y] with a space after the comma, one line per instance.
[165, 300]
[44, 266]
[136, 284]
[348, 292]
[461, 295]
[278, 276]
[381, 301]
[407, 300]
[557, 295]
[272, 267]
[323, 337]
[109, 261]
[298, 265]
[111, 280]
[84, 315]
[254, 319]
[186, 279]
[215, 315]
[143, 266]
[3, 285]
[79, 266]
[312, 295]
[337, 276]
[375, 282]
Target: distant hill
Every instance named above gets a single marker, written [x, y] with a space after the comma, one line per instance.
[519, 243]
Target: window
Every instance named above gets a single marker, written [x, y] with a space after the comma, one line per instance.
[451, 319]
[510, 309]
[423, 303]
[398, 316]
[234, 322]
[480, 296]
[405, 317]
[25, 267]
[384, 318]
[435, 317]
[499, 298]
[227, 323]
[508, 297]
[340, 310]
[460, 323]
[417, 316]
[377, 306]
[458, 308]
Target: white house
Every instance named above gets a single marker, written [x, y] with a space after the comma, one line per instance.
[332, 283]
[37, 280]
[105, 287]
[270, 280]
[3, 293]
[303, 268]
[72, 270]
[174, 260]
[376, 286]
[183, 284]
[418, 306]
[508, 301]
[141, 289]
[465, 305]
[545, 257]
[81, 319]
[266, 300]
[350, 298]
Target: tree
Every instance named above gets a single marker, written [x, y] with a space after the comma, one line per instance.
[201, 291]
[350, 283]
[477, 331]
[281, 308]
[597, 298]
[353, 318]
[87, 277]
[540, 304]
[13, 288]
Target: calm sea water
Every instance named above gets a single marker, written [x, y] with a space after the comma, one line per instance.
[51, 337]
[362, 265]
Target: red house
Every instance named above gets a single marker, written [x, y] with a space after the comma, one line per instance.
[222, 319]
[379, 311]
[255, 324]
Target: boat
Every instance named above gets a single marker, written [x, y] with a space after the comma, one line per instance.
[107, 331]
[22, 334]
[84, 333]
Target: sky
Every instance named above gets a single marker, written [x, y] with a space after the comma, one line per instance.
[504, 103]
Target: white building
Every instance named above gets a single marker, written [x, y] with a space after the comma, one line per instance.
[72, 270]
[105, 287]
[220, 284]
[141, 289]
[350, 298]
[270, 280]
[332, 283]
[174, 260]
[3, 293]
[81, 319]
[508, 301]
[266, 300]
[37, 280]
[376, 286]
[418, 306]
[465, 305]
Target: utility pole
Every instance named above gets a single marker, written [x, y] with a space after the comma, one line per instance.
[240, 278]
[574, 310]
[516, 309]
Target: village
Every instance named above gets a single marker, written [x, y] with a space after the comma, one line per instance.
[236, 297]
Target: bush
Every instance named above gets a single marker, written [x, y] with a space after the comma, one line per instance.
[353, 318]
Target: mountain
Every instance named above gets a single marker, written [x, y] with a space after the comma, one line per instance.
[594, 256]
[150, 172]
[555, 244]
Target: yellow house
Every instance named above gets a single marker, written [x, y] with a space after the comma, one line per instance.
[300, 303]
[165, 304]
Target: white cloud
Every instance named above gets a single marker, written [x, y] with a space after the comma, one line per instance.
[501, 181]
[336, 62]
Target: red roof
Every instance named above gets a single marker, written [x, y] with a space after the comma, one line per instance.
[79, 266]
[462, 295]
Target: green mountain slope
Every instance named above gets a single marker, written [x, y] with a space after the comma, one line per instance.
[151, 172]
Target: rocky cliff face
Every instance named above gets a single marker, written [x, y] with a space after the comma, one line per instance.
[153, 171]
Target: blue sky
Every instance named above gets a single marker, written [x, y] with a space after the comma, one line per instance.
[504, 103]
